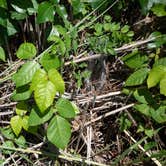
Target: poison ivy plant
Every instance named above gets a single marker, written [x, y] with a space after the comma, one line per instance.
[42, 85]
[145, 79]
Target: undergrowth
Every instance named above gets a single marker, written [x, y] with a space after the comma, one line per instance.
[82, 82]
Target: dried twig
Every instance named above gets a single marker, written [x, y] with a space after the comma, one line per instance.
[64, 156]
[109, 113]
[147, 153]
[6, 96]
[89, 99]
[6, 113]
[117, 50]
[8, 105]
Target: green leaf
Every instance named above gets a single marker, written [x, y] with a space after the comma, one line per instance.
[150, 145]
[115, 26]
[3, 4]
[26, 51]
[16, 124]
[160, 39]
[144, 109]
[44, 95]
[59, 47]
[163, 85]
[61, 10]
[155, 34]
[8, 144]
[57, 80]
[20, 141]
[59, 132]
[11, 30]
[160, 114]
[7, 132]
[35, 4]
[54, 32]
[135, 60]
[49, 61]
[144, 96]
[36, 118]
[62, 30]
[18, 9]
[149, 132]
[2, 54]
[25, 74]
[21, 93]
[45, 12]
[18, 16]
[67, 41]
[65, 108]
[140, 128]
[98, 28]
[25, 123]
[39, 76]
[155, 75]
[76, 110]
[137, 78]
[77, 6]
[161, 62]
[107, 27]
[159, 10]
[21, 108]
[125, 29]
[124, 122]
[130, 34]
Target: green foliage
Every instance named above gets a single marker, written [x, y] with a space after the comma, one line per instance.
[146, 79]
[137, 78]
[26, 51]
[159, 10]
[62, 105]
[59, 132]
[36, 118]
[44, 95]
[160, 114]
[3, 4]
[156, 6]
[43, 82]
[49, 61]
[135, 59]
[16, 124]
[160, 40]
[45, 12]
[108, 35]
[57, 80]
[81, 75]
[2, 54]
[10, 140]
[25, 73]
[156, 74]
[39, 85]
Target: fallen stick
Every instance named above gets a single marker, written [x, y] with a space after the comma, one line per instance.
[117, 50]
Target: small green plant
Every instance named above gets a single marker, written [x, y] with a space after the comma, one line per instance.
[108, 35]
[144, 82]
[37, 85]
[80, 74]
